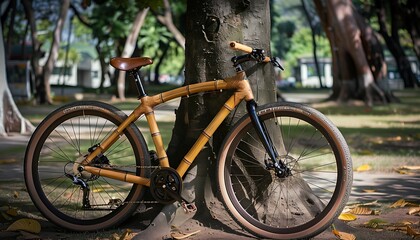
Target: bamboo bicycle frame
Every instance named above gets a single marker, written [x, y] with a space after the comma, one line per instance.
[242, 91]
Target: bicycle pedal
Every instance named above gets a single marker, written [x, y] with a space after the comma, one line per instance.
[189, 207]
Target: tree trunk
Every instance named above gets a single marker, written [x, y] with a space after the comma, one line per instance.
[410, 15]
[393, 40]
[10, 118]
[129, 47]
[40, 93]
[211, 24]
[314, 53]
[55, 47]
[166, 20]
[356, 54]
[165, 47]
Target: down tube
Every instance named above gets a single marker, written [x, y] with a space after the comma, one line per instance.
[204, 137]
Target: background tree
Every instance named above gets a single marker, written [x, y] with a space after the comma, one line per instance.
[399, 17]
[43, 73]
[313, 22]
[358, 60]
[10, 118]
[129, 46]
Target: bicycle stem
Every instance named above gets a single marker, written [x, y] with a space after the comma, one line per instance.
[280, 168]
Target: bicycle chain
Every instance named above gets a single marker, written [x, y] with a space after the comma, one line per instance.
[131, 166]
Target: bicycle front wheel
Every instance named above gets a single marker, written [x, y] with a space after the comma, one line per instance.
[88, 202]
[302, 204]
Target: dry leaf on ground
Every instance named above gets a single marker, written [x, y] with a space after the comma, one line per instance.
[347, 217]
[362, 211]
[25, 224]
[126, 235]
[376, 223]
[402, 203]
[181, 235]
[412, 232]
[369, 190]
[414, 211]
[12, 212]
[410, 167]
[343, 235]
[363, 168]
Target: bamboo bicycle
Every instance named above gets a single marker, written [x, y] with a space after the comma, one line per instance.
[284, 170]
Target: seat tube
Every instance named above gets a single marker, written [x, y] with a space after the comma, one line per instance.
[157, 139]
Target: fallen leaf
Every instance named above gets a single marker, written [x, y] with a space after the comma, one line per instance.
[399, 203]
[126, 235]
[115, 236]
[343, 235]
[407, 222]
[7, 161]
[12, 212]
[412, 232]
[410, 167]
[394, 139]
[414, 211]
[181, 235]
[362, 211]
[15, 194]
[375, 223]
[402, 171]
[336, 232]
[25, 224]
[363, 168]
[403, 203]
[347, 217]
[369, 190]
[396, 228]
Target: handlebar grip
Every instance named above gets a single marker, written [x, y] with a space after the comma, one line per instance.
[244, 48]
[241, 47]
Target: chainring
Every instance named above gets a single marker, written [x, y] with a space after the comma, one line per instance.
[161, 181]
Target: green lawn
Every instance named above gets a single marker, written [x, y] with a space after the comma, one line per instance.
[383, 136]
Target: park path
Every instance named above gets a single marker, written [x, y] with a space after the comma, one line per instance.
[385, 187]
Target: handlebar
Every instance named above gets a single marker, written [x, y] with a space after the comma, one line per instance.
[244, 48]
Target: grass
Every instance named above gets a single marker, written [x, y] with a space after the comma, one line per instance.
[385, 136]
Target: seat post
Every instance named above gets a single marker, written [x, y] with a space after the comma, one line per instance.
[139, 85]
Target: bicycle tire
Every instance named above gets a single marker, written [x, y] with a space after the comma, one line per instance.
[296, 207]
[61, 138]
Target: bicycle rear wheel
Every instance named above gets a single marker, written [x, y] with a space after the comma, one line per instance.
[302, 204]
[65, 136]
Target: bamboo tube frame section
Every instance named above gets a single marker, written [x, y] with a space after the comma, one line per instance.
[242, 91]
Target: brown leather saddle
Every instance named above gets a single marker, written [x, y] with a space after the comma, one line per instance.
[128, 64]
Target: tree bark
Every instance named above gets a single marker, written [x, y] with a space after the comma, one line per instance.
[314, 45]
[211, 24]
[40, 93]
[412, 17]
[129, 47]
[55, 47]
[393, 40]
[356, 53]
[11, 119]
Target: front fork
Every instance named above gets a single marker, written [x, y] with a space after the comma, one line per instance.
[276, 163]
